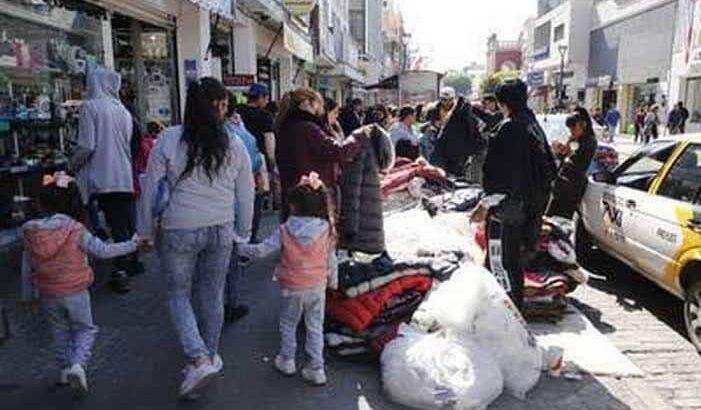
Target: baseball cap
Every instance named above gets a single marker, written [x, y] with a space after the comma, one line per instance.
[447, 92]
[258, 90]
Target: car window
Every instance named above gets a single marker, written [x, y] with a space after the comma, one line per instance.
[640, 170]
[683, 182]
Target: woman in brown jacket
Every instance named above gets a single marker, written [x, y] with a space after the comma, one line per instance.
[304, 146]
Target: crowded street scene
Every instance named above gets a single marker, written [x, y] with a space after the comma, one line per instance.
[350, 204]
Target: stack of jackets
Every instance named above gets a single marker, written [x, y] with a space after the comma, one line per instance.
[399, 178]
[552, 272]
[373, 299]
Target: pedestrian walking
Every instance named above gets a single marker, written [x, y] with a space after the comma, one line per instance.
[102, 161]
[513, 225]
[676, 121]
[197, 200]
[305, 147]
[55, 269]
[613, 117]
[652, 122]
[233, 309]
[305, 247]
[575, 158]
[258, 120]
[639, 124]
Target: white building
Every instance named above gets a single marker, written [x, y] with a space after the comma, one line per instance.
[559, 33]
[685, 76]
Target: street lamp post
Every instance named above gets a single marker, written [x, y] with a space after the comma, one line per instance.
[562, 48]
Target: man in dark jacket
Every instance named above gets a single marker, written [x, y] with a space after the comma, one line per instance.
[351, 116]
[459, 139]
[520, 166]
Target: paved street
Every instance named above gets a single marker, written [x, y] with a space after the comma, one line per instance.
[137, 361]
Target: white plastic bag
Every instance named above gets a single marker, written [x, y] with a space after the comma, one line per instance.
[473, 305]
[439, 371]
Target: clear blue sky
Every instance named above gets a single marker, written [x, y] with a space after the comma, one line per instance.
[453, 33]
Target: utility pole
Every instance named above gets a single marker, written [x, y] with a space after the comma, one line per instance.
[561, 84]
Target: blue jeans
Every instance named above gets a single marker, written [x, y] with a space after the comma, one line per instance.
[73, 329]
[233, 277]
[195, 263]
[293, 305]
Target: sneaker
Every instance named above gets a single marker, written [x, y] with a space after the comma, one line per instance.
[286, 367]
[217, 363]
[316, 377]
[234, 314]
[196, 378]
[63, 377]
[77, 380]
[120, 282]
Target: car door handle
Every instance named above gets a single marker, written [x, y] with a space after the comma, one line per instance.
[694, 225]
[631, 204]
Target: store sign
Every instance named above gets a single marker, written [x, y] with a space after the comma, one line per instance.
[535, 79]
[299, 46]
[300, 7]
[239, 80]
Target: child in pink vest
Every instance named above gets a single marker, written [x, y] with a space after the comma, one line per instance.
[55, 269]
[306, 246]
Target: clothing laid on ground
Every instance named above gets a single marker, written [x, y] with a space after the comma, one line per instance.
[398, 178]
[361, 220]
[196, 201]
[359, 312]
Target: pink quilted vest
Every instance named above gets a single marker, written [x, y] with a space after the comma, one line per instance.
[303, 267]
[59, 264]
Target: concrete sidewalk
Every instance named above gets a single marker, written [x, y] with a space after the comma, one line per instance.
[137, 363]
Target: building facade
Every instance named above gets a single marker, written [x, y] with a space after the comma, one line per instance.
[685, 78]
[503, 55]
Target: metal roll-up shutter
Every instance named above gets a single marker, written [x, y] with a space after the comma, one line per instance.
[158, 12]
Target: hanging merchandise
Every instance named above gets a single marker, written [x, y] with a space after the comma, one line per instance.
[439, 371]
[158, 97]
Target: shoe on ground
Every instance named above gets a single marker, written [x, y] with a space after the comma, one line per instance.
[63, 377]
[234, 314]
[317, 377]
[217, 363]
[286, 367]
[196, 378]
[120, 282]
[77, 380]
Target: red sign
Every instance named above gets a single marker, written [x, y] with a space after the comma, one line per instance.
[239, 80]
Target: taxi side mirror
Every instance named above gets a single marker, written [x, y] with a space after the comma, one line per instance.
[605, 177]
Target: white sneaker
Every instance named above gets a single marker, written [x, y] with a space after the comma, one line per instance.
[77, 380]
[316, 377]
[63, 377]
[286, 367]
[196, 378]
[217, 363]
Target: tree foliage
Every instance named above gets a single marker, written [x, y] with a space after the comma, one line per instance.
[490, 82]
[460, 81]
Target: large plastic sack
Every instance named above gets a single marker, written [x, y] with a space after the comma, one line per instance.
[439, 371]
[473, 305]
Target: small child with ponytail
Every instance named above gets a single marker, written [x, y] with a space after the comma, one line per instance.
[55, 269]
[306, 247]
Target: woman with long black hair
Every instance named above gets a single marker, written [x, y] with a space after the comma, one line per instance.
[575, 157]
[209, 207]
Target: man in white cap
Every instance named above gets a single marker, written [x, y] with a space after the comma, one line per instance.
[438, 115]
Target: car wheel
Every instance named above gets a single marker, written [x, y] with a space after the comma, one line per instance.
[582, 242]
[692, 314]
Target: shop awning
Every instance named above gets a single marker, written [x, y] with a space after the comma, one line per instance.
[297, 44]
[389, 83]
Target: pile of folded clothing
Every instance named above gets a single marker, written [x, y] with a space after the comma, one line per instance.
[374, 298]
[399, 178]
[552, 273]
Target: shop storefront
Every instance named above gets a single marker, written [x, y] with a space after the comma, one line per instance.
[45, 53]
[144, 54]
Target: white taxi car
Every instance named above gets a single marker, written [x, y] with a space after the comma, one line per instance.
[647, 213]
